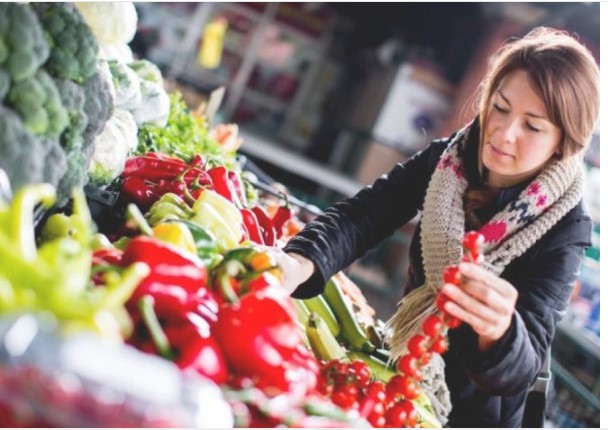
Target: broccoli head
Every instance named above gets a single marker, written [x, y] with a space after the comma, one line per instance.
[23, 47]
[75, 176]
[98, 105]
[73, 46]
[5, 83]
[26, 158]
[37, 101]
[73, 99]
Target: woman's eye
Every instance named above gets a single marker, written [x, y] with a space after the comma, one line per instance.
[532, 128]
[499, 109]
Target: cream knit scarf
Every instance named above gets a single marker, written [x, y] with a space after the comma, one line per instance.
[550, 196]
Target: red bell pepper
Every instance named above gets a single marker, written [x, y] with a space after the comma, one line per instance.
[282, 215]
[168, 266]
[252, 228]
[266, 225]
[238, 187]
[223, 185]
[189, 344]
[257, 311]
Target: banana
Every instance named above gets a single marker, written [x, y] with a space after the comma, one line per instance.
[323, 344]
[302, 311]
[350, 330]
[319, 305]
[381, 370]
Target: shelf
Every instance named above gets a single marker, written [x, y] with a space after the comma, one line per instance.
[265, 100]
[571, 382]
[581, 337]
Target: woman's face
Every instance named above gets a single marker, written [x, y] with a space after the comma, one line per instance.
[519, 140]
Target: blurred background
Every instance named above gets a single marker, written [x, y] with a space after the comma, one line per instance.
[328, 96]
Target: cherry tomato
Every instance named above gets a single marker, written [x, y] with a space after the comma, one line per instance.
[451, 321]
[440, 301]
[411, 390]
[472, 240]
[440, 345]
[408, 365]
[396, 415]
[395, 387]
[411, 413]
[451, 275]
[416, 346]
[361, 371]
[377, 391]
[432, 325]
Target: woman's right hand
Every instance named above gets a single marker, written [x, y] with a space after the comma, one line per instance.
[296, 269]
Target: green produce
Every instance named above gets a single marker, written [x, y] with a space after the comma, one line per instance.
[319, 305]
[26, 158]
[73, 99]
[56, 276]
[23, 47]
[55, 97]
[185, 135]
[220, 217]
[350, 330]
[38, 102]
[73, 47]
[323, 344]
[302, 311]
[99, 103]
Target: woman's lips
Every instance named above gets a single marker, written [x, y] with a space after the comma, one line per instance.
[498, 152]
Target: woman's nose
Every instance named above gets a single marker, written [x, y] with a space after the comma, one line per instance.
[509, 131]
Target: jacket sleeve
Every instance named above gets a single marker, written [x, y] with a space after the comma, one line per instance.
[348, 229]
[544, 286]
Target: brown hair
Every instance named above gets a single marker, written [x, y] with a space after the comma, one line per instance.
[566, 77]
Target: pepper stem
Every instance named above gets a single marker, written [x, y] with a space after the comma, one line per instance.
[161, 342]
[135, 215]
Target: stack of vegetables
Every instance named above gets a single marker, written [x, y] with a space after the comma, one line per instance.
[54, 100]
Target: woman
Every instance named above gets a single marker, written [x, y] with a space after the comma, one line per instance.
[515, 174]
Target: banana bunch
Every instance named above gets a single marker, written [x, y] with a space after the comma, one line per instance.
[331, 329]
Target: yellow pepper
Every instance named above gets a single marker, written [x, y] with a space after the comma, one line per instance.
[175, 233]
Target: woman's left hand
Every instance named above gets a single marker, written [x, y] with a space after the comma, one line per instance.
[484, 301]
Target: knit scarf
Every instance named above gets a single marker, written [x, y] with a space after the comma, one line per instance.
[550, 196]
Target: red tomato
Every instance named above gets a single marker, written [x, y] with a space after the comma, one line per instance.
[472, 240]
[432, 325]
[440, 345]
[408, 365]
[417, 345]
[451, 275]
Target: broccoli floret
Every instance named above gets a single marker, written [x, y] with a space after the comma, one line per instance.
[5, 83]
[26, 158]
[73, 46]
[37, 101]
[23, 47]
[75, 176]
[73, 98]
[147, 71]
[98, 107]
[55, 164]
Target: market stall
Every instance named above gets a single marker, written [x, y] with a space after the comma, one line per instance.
[135, 289]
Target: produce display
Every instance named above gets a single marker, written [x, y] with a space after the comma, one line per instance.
[170, 285]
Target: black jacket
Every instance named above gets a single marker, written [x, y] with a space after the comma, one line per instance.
[487, 389]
